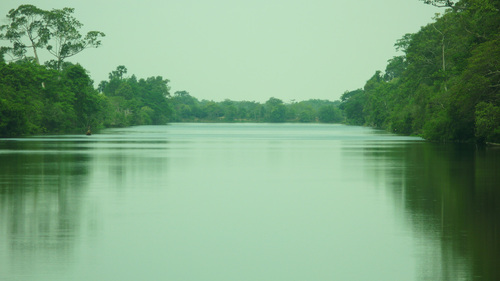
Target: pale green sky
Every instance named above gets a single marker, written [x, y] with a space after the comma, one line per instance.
[245, 50]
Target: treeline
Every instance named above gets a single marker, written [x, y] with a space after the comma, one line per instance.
[58, 96]
[445, 87]
[186, 108]
[36, 99]
[135, 101]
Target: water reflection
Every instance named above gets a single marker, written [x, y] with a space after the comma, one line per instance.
[449, 197]
[40, 202]
[247, 202]
[50, 195]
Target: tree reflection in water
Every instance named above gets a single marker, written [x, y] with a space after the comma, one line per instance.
[450, 198]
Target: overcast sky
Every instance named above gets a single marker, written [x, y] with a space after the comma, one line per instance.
[245, 50]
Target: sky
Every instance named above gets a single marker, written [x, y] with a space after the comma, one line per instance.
[244, 50]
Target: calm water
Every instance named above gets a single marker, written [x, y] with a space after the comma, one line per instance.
[247, 202]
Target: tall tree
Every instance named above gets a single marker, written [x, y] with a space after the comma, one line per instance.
[446, 85]
[439, 3]
[27, 28]
[463, 5]
[118, 73]
[58, 31]
[66, 40]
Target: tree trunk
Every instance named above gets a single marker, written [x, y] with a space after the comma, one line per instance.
[444, 65]
[36, 54]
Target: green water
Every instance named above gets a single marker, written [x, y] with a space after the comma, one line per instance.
[247, 202]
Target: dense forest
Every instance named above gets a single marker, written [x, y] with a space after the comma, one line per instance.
[444, 86]
[35, 99]
[59, 96]
[187, 108]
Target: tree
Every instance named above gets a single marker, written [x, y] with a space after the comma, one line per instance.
[465, 5]
[275, 110]
[212, 110]
[35, 99]
[58, 31]
[378, 102]
[478, 84]
[330, 114]
[3, 50]
[66, 40]
[353, 104]
[88, 104]
[118, 73]
[445, 4]
[487, 123]
[27, 28]
[395, 68]
[136, 102]
[446, 85]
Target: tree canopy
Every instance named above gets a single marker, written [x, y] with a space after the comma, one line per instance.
[31, 28]
[186, 108]
[59, 97]
[446, 85]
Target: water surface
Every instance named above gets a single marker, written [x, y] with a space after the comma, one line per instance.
[247, 202]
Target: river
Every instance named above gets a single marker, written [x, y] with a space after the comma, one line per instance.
[247, 202]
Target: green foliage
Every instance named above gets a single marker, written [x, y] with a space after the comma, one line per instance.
[13, 120]
[186, 108]
[487, 122]
[89, 106]
[136, 102]
[34, 99]
[395, 68]
[57, 30]
[26, 29]
[3, 50]
[463, 5]
[275, 110]
[60, 96]
[446, 85]
[330, 114]
[66, 40]
[118, 73]
[353, 106]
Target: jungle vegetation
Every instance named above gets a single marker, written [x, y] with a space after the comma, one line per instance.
[186, 108]
[59, 96]
[444, 86]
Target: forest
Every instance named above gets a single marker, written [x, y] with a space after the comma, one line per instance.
[59, 96]
[444, 86]
[186, 108]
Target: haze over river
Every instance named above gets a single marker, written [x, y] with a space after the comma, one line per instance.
[247, 202]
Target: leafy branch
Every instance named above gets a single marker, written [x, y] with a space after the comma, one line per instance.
[56, 30]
